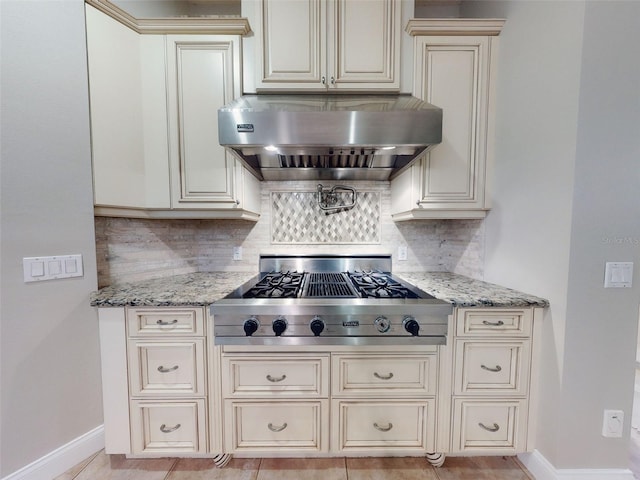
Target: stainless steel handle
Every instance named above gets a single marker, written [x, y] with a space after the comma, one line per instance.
[274, 380]
[495, 427]
[499, 323]
[161, 369]
[498, 368]
[273, 428]
[383, 429]
[164, 429]
[383, 377]
[162, 322]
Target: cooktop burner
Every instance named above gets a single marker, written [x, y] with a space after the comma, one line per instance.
[277, 285]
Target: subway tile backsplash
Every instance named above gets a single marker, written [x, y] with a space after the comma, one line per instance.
[139, 249]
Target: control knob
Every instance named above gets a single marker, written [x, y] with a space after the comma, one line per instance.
[279, 325]
[250, 326]
[411, 325]
[382, 323]
[317, 326]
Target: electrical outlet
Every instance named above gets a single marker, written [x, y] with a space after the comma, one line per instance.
[402, 252]
[612, 423]
[237, 253]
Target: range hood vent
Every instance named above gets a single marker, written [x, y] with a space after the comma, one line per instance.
[328, 137]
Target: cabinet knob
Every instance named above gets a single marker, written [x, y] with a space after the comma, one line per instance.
[324, 80]
[333, 81]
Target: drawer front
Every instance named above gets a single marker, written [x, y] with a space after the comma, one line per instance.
[168, 428]
[494, 322]
[384, 375]
[162, 321]
[273, 426]
[490, 367]
[489, 426]
[280, 375]
[383, 425]
[166, 368]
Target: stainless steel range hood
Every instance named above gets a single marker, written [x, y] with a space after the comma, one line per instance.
[328, 137]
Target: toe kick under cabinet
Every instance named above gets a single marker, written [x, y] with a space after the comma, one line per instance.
[169, 391]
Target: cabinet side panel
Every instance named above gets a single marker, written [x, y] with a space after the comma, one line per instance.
[115, 392]
[116, 111]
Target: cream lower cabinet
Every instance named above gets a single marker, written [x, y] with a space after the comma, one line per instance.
[454, 68]
[154, 99]
[493, 370]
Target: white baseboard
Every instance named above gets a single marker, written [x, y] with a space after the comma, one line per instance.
[541, 469]
[62, 459]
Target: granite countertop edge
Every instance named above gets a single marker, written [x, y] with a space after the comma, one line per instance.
[203, 289]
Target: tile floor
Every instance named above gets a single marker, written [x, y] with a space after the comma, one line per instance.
[116, 467]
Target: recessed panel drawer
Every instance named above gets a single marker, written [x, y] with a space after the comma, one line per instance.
[492, 367]
[166, 368]
[489, 425]
[160, 321]
[168, 427]
[280, 375]
[383, 425]
[384, 375]
[276, 425]
[494, 322]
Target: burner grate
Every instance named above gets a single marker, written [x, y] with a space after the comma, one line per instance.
[328, 285]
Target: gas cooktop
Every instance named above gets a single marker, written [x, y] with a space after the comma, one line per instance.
[329, 299]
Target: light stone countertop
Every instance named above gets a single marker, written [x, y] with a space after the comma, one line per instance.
[201, 289]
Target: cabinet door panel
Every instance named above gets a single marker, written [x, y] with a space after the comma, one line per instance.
[453, 167]
[366, 39]
[201, 80]
[293, 42]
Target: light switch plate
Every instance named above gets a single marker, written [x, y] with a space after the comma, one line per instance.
[36, 269]
[618, 275]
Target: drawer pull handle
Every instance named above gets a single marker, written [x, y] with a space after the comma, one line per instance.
[273, 428]
[383, 429]
[495, 427]
[274, 379]
[164, 324]
[164, 429]
[499, 323]
[383, 377]
[497, 369]
[161, 369]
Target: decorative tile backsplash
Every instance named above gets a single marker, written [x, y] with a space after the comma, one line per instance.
[298, 219]
[138, 249]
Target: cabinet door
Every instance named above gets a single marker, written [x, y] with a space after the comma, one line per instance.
[203, 74]
[365, 44]
[453, 73]
[293, 36]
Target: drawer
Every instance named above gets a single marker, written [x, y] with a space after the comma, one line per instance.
[384, 375]
[370, 426]
[166, 368]
[168, 427]
[494, 322]
[276, 425]
[497, 426]
[163, 321]
[279, 375]
[491, 367]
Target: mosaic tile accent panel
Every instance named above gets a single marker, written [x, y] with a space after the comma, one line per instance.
[296, 218]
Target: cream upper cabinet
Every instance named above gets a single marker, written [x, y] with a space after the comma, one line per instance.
[203, 74]
[455, 62]
[328, 45]
[154, 101]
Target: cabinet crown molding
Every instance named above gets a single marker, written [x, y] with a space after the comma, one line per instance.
[180, 25]
[455, 26]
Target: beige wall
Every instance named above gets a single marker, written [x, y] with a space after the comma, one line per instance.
[49, 354]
